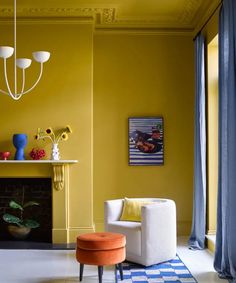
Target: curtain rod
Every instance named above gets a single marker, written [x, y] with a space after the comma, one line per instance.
[207, 21]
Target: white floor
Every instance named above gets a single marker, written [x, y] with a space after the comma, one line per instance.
[200, 263]
[35, 266]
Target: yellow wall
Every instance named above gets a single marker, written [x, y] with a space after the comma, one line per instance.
[143, 75]
[212, 134]
[134, 75]
[211, 28]
[64, 96]
[210, 31]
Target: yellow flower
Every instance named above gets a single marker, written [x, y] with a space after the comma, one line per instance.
[64, 136]
[68, 129]
[49, 131]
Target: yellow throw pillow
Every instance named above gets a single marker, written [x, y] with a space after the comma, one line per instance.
[132, 209]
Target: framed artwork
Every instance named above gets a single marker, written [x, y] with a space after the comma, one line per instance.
[146, 141]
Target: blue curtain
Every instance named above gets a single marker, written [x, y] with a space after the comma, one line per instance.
[225, 255]
[197, 238]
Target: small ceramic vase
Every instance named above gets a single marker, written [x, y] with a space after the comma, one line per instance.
[55, 152]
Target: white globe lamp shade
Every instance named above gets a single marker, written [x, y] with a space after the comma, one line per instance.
[6, 51]
[23, 63]
[41, 56]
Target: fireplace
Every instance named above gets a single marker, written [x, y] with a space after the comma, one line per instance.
[31, 189]
[56, 173]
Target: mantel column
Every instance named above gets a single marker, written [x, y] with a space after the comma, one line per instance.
[60, 201]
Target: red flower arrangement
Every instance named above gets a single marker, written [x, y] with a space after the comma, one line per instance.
[37, 154]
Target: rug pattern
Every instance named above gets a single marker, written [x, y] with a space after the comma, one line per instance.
[173, 271]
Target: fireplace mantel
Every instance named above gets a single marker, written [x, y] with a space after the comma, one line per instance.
[39, 161]
[58, 169]
[60, 191]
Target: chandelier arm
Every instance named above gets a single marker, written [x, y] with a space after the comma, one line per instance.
[14, 96]
[15, 70]
[23, 81]
[6, 79]
[38, 79]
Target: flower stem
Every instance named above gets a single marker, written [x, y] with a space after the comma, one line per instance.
[54, 138]
[43, 137]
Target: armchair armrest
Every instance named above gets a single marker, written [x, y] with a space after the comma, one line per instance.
[159, 230]
[112, 211]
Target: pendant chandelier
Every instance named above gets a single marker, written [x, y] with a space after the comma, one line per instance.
[21, 63]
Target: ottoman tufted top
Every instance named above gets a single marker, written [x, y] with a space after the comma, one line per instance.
[101, 241]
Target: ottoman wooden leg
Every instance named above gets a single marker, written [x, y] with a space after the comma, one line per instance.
[120, 270]
[115, 269]
[100, 272]
[81, 270]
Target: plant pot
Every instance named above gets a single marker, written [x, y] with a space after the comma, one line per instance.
[20, 233]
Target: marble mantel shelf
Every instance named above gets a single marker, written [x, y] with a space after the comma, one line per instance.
[60, 169]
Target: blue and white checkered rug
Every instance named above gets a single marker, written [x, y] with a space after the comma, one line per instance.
[173, 271]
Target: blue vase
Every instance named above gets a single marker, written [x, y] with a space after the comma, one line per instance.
[19, 141]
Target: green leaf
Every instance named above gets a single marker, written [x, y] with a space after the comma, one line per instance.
[31, 223]
[15, 205]
[9, 218]
[30, 203]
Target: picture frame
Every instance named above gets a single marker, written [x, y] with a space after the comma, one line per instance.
[146, 141]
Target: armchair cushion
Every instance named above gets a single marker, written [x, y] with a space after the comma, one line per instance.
[132, 230]
[132, 209]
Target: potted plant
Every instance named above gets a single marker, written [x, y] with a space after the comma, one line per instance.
[19, 226]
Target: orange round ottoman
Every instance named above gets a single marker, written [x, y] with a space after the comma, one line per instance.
[101, 249]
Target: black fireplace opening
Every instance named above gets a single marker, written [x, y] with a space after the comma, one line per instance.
[25, 190]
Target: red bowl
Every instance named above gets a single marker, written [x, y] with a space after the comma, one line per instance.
[5, 154]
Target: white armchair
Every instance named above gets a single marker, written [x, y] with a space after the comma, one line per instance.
[151, 241]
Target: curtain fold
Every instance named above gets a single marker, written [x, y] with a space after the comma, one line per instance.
[197, 238]
[225, 255]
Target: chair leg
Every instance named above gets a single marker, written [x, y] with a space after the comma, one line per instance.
[100, 272]
[121, 271]
[81, 270]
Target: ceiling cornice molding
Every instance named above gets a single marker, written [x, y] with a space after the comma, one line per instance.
[146, 31]
[204, 14]
[107, 18]
[50, 20]
[102, 15]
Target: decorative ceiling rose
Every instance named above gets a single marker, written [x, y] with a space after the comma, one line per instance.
[21, 63]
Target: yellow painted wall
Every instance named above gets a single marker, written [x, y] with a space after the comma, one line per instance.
[212, 107]
[143, 75]
[210, 31]
[64, 96]
[134, 75]
[211, 28]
